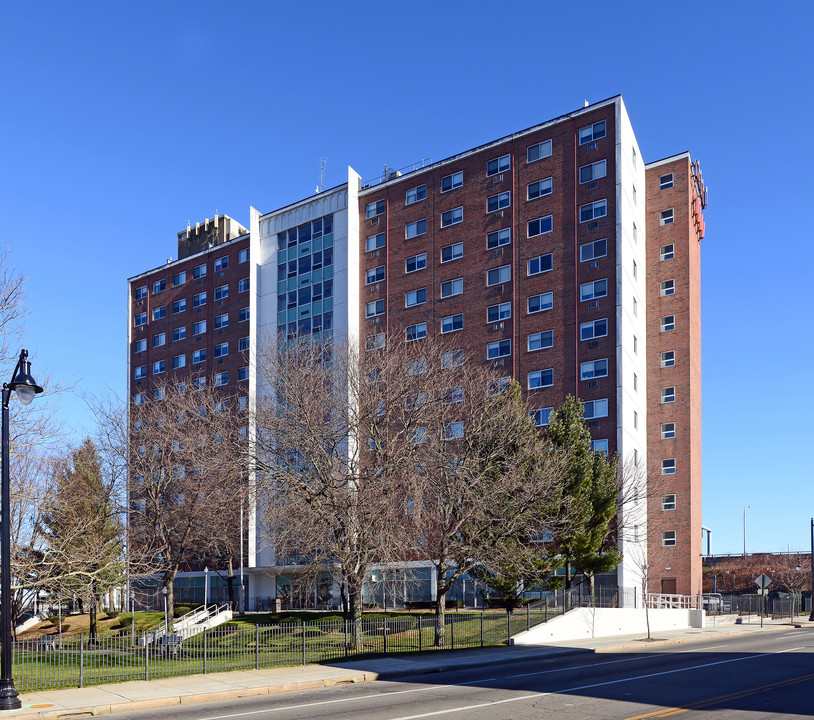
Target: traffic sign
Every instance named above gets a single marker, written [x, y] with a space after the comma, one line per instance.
[763, 581]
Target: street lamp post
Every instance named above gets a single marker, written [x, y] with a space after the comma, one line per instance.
[26, 388]
[811, 617]
[206, 586]
[744, 528]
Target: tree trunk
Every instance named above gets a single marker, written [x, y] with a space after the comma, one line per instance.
[568, 579]
[440, 607]
[169, 579]
[354, 617]
[92, 622]
[230, 579]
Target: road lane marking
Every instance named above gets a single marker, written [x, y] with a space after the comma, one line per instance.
[667, 712]
[586, 687]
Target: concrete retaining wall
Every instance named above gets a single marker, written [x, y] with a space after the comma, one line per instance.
[607, 622]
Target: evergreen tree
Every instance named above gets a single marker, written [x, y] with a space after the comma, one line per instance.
[591, 492]
[84, 557]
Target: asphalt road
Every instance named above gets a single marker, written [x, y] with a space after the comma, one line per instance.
[759, 675]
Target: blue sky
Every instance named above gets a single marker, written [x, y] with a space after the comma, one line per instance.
[121, 121]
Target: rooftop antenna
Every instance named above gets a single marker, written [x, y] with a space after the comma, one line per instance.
[323, 162]
[586, 103]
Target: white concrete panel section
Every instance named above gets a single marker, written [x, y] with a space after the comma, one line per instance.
[605, 622]
[631, 349]
[254, 275]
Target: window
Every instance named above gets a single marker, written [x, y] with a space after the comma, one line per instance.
[179, 306]
[541, 416]
[243, 256]
[539, 151]
[375, 342]
[243, 285]
[593, 329]
[666, 252]
[668, 394]
[592, 290]
[635, 269]
[415, 297]
[159, 366]
[668, 466]
[375, 275]
[498, 202]
[416, 262]
[416, 194]
[540, 226]
[495, 276]
[198, 356]
[538, 303]
[140, 372]
[243, 314]
[221, 292]
[541, 379]
[450, 182]
[599, 446]
[158, 393]
[666, 217]
[635, 345]
[414, 229]
[595, 409]
[199, 299]
[220, 350]
[593, 250]
[199, 271]
[221, 378]
[668, 538]
[138, 399]
[374, 242]
[140, 345]
[452, 323]
[498, 385]
[498, 165]
[668, 358]
[667, 323]
[498, 349]
[592, 211]
[375, 208]
[540, 340]
[453, 395]
[159, 286]
[453, 431]
[593, 369]
[179, 361]
[541, 264]
[417, 367]
[668, 502]
[140, 292]
[243, 373]
[592, 132]
[635, 420]
[221, 321]
[635, 233]
[452, 217]
[159, 312]
[539, 188]
[635, 307]
[666, 181]
[496, 313]
[376, 307]
[221, 264]
[199, 327]
[668, 431]
[200, 382]
[416, 332]
[452, 287]
[498, 238]
[179, 333]
[452, 252]
[594, 171]
[452, 358]
[159, 339]
[668, 287]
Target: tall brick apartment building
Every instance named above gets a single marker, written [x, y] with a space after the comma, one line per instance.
[554, 254]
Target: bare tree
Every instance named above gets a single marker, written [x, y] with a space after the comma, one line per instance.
[181, 461]
[336, 433]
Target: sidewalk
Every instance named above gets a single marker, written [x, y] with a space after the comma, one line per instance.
[141, 695]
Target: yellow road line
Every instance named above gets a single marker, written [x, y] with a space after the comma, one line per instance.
[667, 712]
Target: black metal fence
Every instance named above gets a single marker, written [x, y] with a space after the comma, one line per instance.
[75, 661]
[786, 605]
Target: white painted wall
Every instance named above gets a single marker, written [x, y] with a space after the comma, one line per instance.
[605, 622]
[631, 356]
